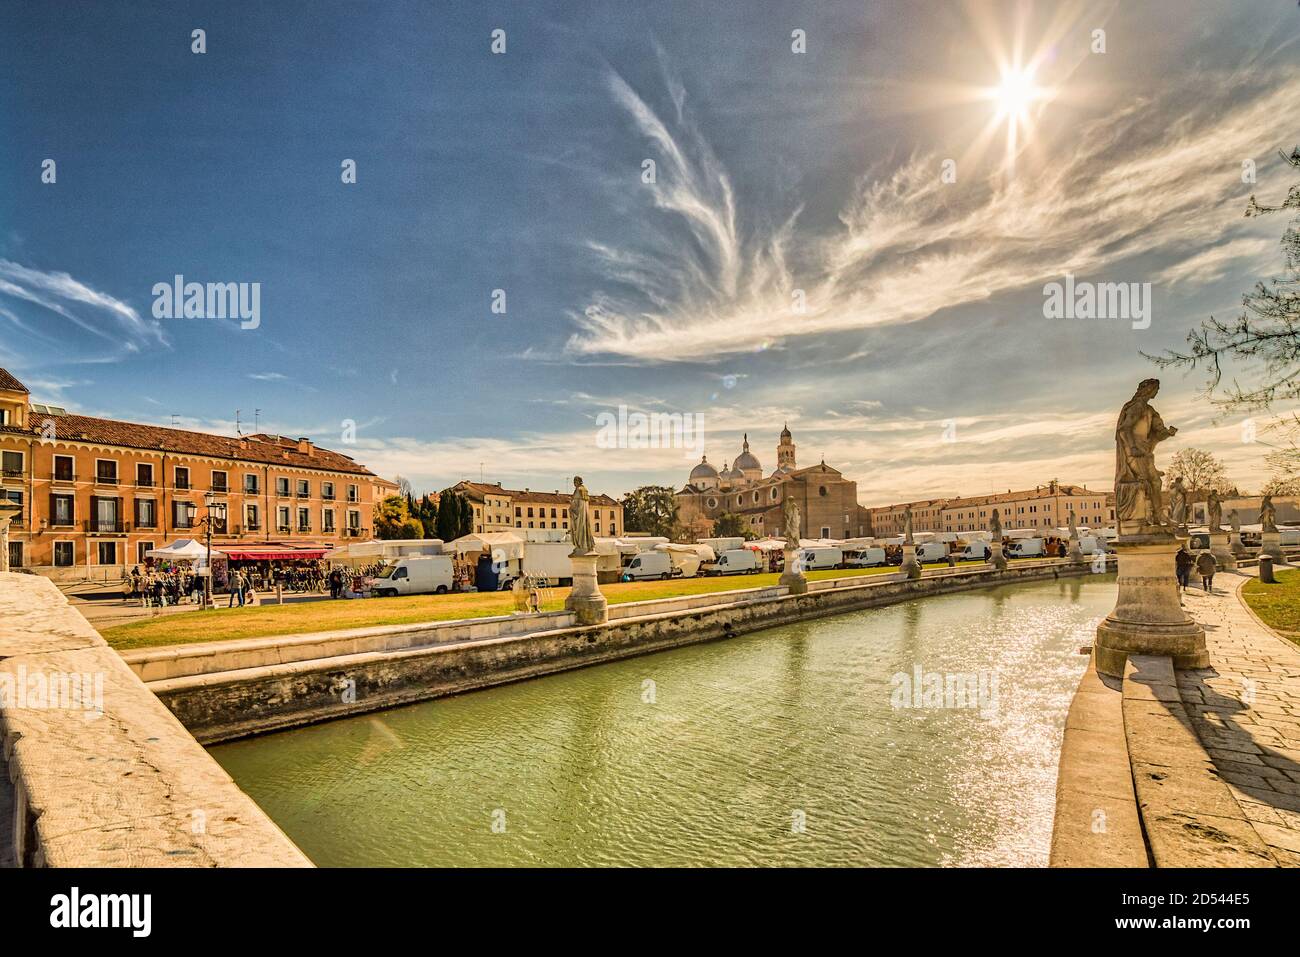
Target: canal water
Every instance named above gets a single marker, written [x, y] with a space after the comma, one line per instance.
[799, 745]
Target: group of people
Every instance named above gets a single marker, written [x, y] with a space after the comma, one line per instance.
[1204, 564]
[160, 587]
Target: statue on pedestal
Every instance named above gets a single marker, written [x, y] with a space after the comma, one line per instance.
[1139, 506]
[1074, 527]
[995, 527]
[790, 514]
[579, 521]
[907, 526]
[1267, 515]
[1178, 501]
[1214, 509]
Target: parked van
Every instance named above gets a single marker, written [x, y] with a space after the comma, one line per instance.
[415, 575]
[1027, 548]
[812, 559]
[734, 561]
[865, 558]
[649, 565]
[1091, 544]
[931, 552]
[976, 552]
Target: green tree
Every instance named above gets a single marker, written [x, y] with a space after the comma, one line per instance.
[391, 518]
[448, 518]
[651, 509]
[731, 525]
[465, 523]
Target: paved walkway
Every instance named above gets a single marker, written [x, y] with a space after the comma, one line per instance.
[1246, 711]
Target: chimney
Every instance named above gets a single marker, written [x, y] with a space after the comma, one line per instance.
[304, 446]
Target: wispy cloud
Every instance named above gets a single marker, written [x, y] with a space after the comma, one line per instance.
[909, 245]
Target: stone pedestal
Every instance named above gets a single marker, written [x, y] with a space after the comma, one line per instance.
[1273, 547]
[996, 558]
[1236, 546]
[792, 576]
[1148, 618]
[1221, 551]
[911, 568]
[585, 600]
[7, 512]
[1075, 554]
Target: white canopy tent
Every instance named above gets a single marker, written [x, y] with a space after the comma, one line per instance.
[184, 549]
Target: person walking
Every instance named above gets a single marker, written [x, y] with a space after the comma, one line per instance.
[1183, 563]
[1206, 566]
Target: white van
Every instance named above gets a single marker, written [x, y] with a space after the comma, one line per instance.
[649, 565]
[865, 558]
[1027, 548]
[415, 575]
[734, 561]
[976, 551]
[931, 552]
[812, 559]
[1091, 544]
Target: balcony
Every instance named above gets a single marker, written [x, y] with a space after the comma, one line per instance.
[252, 490]
[284, 529]
[106, 479]
[304, 528]
[354, 532]
[327, 496]
[107, 526]
[144, 482]
[253, 527]
[11, 473]
[65, 477]
[181, 485]
[223, 489]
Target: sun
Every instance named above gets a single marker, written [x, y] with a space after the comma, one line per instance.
[1015, 94]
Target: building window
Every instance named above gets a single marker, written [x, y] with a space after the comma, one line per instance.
[108, 553]
[146, 513]
[251, 522]
[354, 518]
[11, 463]
[327, 491]
[182, 477]
[327, 520]
[63, 468]
[220, 481]
[105, 472]
[352, 494]
[62, 510]
[250, 483]
[518, 514]
[143, 475]
[63, 555]
[304, 488]
[282, 519]
[142, 550]
[304, 520]
[282, 487]
[181, 515]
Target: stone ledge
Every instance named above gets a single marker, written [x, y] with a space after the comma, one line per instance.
[123, 786]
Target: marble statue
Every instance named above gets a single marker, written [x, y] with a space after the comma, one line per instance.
[1178, 501]
[790, 512]
[1215, 509]
[579, 521]
[1139, 507]
[995, 526]
[1267, 515]
[907, 526]
[1235, 522]
[1074, 527]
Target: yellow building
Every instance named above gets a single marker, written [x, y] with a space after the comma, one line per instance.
[498, 509]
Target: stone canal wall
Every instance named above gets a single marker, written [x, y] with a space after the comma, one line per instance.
[224, 693]
[94, 770]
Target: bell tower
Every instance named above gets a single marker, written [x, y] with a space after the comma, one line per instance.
[785, 451]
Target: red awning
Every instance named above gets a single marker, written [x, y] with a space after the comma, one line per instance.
[254, 555]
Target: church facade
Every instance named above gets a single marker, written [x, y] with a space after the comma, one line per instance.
[828, 502]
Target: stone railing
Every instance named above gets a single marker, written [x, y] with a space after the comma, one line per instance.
[94, 770]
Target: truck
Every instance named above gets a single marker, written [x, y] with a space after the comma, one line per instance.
[649, 565]
[1027, 548]
[976, 551]
[733, 561]
[931, 552]
[812, 559]
[549, 562]
[864, 558]
[415, 575]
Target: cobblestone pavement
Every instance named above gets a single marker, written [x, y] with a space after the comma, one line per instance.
[1246, 710]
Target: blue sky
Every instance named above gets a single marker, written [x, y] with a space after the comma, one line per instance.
[776, 171]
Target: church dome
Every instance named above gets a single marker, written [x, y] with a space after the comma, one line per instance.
[746, 461]
[785, 432]
[704, 470]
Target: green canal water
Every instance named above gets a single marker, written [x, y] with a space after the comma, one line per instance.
[783, 747]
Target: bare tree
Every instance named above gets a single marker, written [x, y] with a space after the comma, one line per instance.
[1200, 471]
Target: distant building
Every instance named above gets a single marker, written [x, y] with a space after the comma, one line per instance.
[498, 509]
[97, 494]
[1042, 507]
[828, 502]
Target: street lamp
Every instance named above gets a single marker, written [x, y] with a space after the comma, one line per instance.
[216, 511]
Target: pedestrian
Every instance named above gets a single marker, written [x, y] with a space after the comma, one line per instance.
[1206, 566]
[1183, 563]
[1060, 550]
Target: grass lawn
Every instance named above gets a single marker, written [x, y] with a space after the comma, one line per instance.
[1278, 606]
[223, 624]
